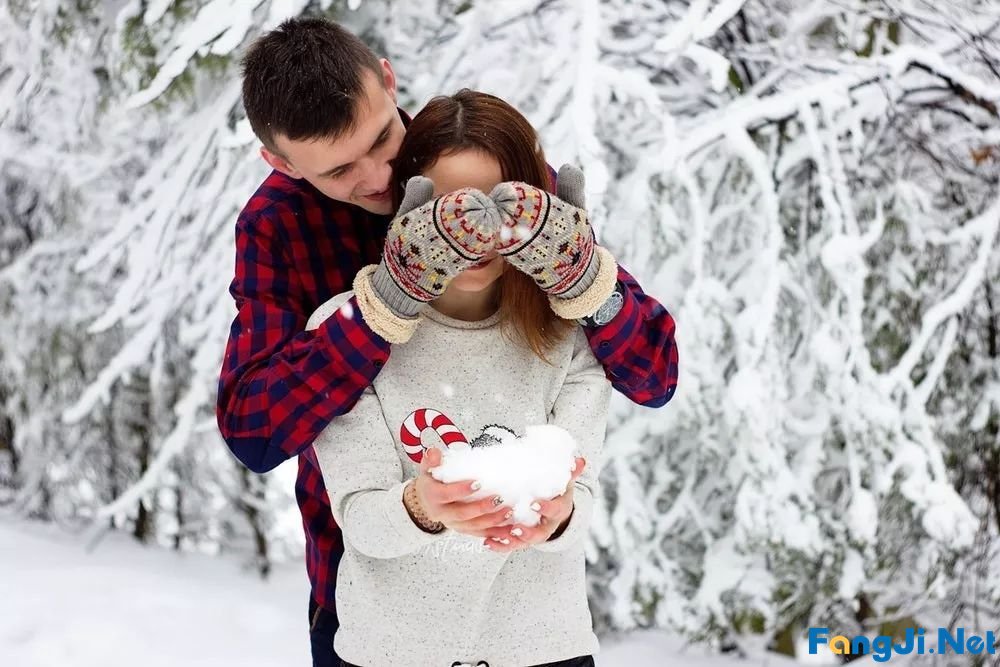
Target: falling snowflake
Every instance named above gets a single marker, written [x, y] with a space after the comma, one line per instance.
[447, 390]
[347, 310]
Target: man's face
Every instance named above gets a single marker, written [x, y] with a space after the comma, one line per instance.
[354, 168]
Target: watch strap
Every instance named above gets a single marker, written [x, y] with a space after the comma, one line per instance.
[608, 310]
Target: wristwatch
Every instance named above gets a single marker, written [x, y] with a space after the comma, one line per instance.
[608, 309]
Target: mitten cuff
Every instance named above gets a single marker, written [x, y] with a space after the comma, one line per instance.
[399, 301]
[377, 315]
[584, 281]
[593, 297]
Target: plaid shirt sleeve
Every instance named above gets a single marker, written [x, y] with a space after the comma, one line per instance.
[637, 347]
[280, 385]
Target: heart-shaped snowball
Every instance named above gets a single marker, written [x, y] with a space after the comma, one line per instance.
[520, 470]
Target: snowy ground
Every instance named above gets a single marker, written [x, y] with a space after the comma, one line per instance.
[126, 605]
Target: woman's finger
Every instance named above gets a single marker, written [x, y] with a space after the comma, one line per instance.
[531, 534]
[430, 459]
[444, 493]
[461, 512]
[504, 544]
[499, 532]
[558, 507]
[549, 508]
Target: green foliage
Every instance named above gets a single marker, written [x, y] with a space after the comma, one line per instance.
[142, 46]
[735, 81]
[892, 34]
[139, 50]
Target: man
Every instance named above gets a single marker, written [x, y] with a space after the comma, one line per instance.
[324, 108]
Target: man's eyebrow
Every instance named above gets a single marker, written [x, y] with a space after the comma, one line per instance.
[381, 137]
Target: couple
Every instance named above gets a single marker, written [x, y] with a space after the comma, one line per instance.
[484, 298]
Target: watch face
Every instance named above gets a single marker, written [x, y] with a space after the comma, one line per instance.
[611, 307]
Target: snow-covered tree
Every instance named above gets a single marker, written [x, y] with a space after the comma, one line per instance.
[98, 398]
[827, 224]
[809, 187]
[50, 101]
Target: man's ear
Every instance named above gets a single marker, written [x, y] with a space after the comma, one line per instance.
[388, 78]
[278, 162]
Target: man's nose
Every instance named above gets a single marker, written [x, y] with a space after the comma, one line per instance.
[377, 175]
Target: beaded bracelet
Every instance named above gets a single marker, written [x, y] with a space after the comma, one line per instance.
[416, 511]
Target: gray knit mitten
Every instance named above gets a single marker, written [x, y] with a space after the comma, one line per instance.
[430, 241]
[550, 239]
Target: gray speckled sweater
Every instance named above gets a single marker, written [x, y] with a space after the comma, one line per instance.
[407, 597]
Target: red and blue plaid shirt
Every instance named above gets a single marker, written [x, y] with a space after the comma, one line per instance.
[281, 385]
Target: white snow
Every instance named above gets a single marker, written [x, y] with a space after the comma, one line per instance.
[128, 605]
[862, 516]
[520, 470]
[948, 518]
[124, 604]
[711, 63]
[222, 21]
[155, 11]
[852, 575]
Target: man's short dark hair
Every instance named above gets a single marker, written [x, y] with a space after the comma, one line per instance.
[304, 80]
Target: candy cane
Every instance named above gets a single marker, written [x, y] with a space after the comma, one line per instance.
[420, 420]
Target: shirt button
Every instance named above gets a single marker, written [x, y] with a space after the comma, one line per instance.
[605, 344]
[378, 364]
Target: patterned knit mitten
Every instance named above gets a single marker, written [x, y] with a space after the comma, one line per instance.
[550, 239]
[429, 242]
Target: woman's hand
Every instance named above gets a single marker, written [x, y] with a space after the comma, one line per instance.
[555, 515]
[430, 241]
[548, 237]
[445, 502]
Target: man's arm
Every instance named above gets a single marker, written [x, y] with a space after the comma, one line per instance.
[637, 347]
[280, 385]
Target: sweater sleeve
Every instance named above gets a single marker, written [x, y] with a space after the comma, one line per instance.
[582, 409]
[280, 385]
[364, 479]
[637, 348]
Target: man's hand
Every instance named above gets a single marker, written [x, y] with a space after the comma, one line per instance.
[447, 504]
[549, 238]
[430, 241]
[555, 514]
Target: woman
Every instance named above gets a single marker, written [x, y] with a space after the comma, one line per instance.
[426, 578]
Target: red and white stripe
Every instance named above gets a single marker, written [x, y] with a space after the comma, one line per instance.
[419, 421]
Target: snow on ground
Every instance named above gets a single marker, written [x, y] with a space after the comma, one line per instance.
[124, 604]
[657, 649]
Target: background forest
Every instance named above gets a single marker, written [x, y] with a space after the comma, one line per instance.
[809, 186]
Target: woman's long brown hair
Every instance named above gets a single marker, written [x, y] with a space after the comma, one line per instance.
[470, 120]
